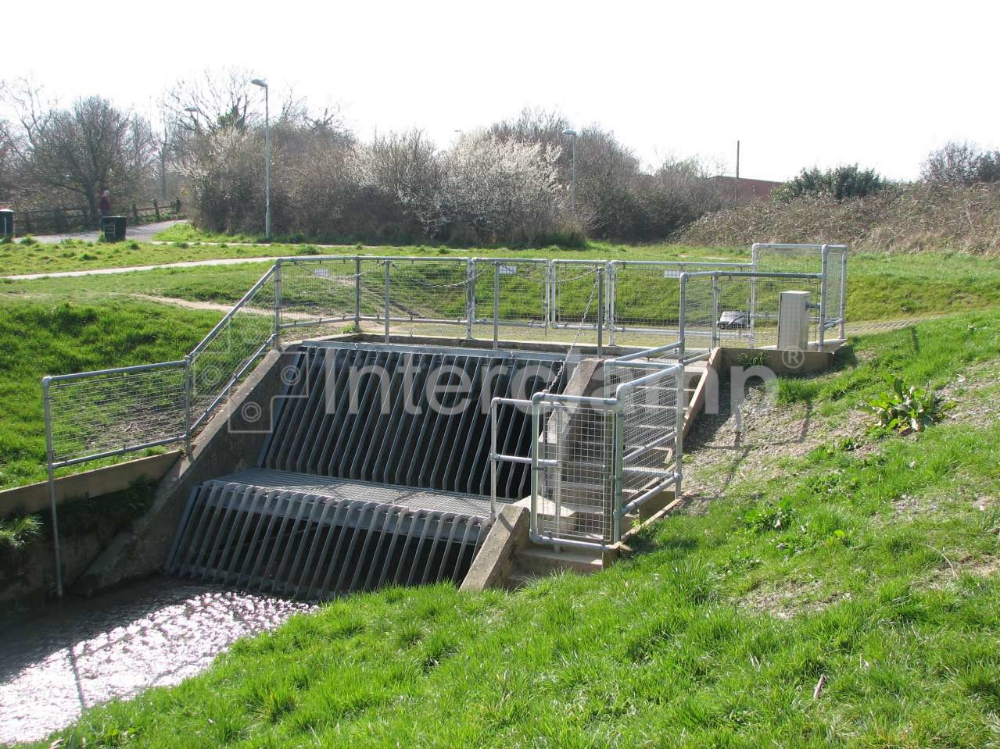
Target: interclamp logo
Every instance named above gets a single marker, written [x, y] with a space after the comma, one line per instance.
[257, 415]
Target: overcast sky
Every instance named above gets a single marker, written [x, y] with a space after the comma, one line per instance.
[801, 84]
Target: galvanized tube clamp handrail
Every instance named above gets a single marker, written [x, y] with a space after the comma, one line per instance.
[115, 370]
[232, 313]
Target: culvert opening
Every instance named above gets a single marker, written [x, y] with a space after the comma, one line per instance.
[376, 471]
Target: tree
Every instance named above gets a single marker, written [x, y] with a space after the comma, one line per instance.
[82, 150]
[500, 191]
[961, 165]
[7, 153]
[841, 183]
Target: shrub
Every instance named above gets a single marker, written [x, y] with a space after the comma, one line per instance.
[840, 183]
[18, 532]
[905, 408]
[961, 165]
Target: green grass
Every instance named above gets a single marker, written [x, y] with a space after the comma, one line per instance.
[58, 337]
[714, 634]
[880, 286]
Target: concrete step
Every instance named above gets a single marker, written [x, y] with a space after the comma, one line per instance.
[544, 560]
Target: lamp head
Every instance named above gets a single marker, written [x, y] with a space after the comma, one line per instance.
[569, 131]
[259, 82]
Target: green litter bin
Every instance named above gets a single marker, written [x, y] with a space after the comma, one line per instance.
[6, 223]
[114, 228]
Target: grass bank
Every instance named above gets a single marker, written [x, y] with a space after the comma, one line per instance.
[58, 337]
[880, 285]
[835, 592]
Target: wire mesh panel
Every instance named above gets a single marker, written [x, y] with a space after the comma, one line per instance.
[766, 292]
[575, 498]
[515, 291]
[648, 449]
[788, 258]
[426, 292]
[228, 352]
[578, 294]
[321, 290]
[645, 298]
[835, 313]
[699, 313]
[114, 411]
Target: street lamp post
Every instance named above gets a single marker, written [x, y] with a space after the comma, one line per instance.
[267, 158]
[572, 133]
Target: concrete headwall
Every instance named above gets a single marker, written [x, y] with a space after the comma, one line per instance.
[35, 497]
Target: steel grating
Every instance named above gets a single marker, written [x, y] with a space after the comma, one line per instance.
[317, 546]
[362, 483]
[365, 412]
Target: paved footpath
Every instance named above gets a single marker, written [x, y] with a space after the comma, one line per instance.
[137, 268]
[140, 233]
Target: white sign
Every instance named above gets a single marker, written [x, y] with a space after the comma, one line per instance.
[508, 270]
[322, 272]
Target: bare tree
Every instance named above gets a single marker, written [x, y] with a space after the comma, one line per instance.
[961, 165]
[7, 162]
[79, 151]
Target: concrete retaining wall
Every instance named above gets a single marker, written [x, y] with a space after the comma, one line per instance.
[96, 483]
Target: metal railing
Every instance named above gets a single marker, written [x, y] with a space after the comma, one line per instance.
[595, 461]
[643, 303]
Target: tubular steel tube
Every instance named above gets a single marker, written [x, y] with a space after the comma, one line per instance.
[496, 304]
[618, 477]
[388, 270]
[822, 297]
[50, 461]
[600, 312]
[493, 460]
[277, 305]
[843, 294]
[357, 293]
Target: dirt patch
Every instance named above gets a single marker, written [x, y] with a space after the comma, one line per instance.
[789, 598]
[727, 447]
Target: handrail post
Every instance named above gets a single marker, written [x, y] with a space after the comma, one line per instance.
[357, 294]
[682, 318]
[822, 296]
[535, 436]
[388, 270]
[496, 304]
[600, 311]
[618, 458]
[188, 397]
[715, 311]
[843, 294]
[277, 305]
[493, 460]
[470, 297]
[612, 283]
[49, 460]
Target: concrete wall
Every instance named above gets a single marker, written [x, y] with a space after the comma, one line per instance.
[96, 483]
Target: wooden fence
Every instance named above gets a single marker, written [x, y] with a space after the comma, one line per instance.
[59, 220]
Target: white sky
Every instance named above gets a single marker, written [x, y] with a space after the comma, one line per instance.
[799, 83]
